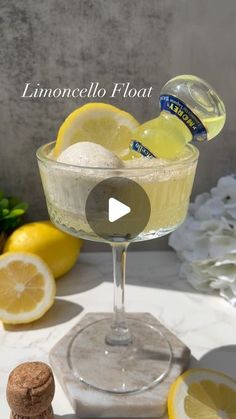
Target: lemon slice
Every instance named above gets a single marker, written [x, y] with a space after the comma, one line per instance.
[27, 288]
[202, 394]
[100, 123]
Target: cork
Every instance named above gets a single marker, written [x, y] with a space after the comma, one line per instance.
[30, 391]
[47, 414]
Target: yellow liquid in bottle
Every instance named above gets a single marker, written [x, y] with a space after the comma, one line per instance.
[214, 125]
[164, 136]
[167, 135]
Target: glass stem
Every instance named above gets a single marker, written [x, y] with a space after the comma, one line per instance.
[119, 333]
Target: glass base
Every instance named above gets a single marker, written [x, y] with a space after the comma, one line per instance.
[130, 368]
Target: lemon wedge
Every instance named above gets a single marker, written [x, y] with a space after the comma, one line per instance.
[202, 393]
[27, 288]
[100, 123]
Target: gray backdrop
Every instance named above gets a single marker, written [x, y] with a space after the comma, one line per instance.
[70, 43]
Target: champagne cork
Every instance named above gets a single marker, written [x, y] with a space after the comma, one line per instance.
[30, 391]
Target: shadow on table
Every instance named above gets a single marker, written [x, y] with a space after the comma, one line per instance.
[83, 277]
[61, 312]
[222, 359]
[164, 273]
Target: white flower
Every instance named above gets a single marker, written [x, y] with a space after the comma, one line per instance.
[213, 207]
[225, 189]
[221, 245]
[226, 192]
[206, 241]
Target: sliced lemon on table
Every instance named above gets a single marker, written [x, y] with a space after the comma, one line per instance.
[202, 394]
[100, 123]
[27, 288]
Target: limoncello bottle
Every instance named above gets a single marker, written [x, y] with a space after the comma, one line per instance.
[191, 110]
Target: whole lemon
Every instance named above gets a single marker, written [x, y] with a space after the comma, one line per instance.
[59, 250]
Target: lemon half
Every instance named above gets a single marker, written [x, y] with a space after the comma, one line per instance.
[59, 250]
[202, 393]
[27, 288]
[100, 123]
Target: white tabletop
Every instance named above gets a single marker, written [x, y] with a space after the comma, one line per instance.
[205, 323]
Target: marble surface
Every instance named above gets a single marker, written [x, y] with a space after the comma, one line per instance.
[90, 403]
[205, 323]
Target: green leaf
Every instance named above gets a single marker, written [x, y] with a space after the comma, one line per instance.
[13, 201]
[5, 212]
[22, 205]
[11, 211]
[14, 213]
[4, 203]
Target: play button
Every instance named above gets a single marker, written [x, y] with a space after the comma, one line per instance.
[117, 209]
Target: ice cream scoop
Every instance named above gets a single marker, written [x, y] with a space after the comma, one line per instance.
[89, 154]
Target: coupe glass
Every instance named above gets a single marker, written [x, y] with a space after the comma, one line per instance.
[131, 355]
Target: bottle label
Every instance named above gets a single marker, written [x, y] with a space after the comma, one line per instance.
[178, 108]
[139, 147]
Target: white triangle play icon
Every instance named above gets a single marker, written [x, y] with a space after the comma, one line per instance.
[117, 209]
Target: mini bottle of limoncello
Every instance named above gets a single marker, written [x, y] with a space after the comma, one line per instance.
[191, 110]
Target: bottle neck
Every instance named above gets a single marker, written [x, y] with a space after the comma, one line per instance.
[181, 111]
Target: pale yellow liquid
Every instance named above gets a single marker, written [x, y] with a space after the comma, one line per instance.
[167, 186]
[166, 136]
